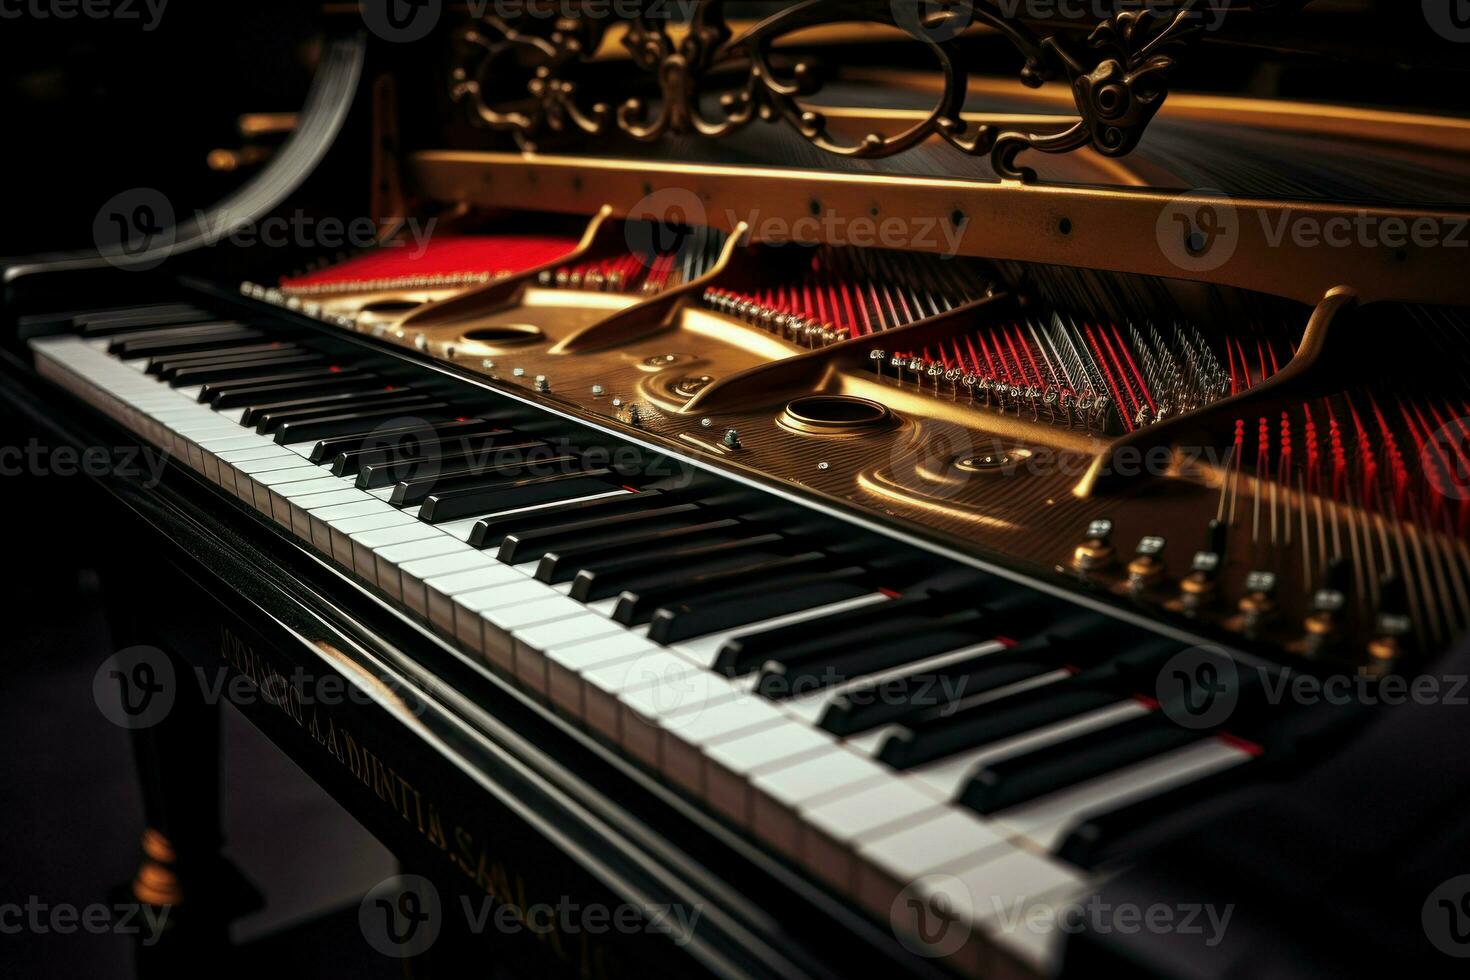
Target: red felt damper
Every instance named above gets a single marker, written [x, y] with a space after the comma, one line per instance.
[443, 255]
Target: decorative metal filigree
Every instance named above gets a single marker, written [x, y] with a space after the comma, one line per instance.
[1119, 78]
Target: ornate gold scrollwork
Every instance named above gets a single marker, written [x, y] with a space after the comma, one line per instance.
[1119, 78]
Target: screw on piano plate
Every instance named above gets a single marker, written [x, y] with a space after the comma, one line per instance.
[518, 372]
[421, 342]
[617, 403]
[732, 439]
[598, 391]
[488, 364]
[824, 466]
[706, 423]
[542, 384]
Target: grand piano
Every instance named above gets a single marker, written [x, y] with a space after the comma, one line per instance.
[945, 488]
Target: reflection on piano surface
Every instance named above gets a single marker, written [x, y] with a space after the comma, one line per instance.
[915, 489]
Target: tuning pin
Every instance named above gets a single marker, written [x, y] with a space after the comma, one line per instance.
[1147, 566]
[1096, 552]
[1198, 587]
[1329, 606]
[1392, 627]
[877, 357]
[1259, 601]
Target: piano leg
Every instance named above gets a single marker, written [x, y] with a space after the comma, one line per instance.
[192, 891]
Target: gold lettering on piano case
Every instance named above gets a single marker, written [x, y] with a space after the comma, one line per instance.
[462, 848]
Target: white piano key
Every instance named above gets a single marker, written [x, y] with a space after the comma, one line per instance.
[686, 693]
[950, 837]
[833, 830]
[497, 626]
[530, 662]
[470, 607]
[366, 543]
[565, 665]
[732, 763]
[779, 793]
[999, 896]
[441, 591]
[304, 506]
[684, 732]
[602, 687]
[413, 574]
[389, 557]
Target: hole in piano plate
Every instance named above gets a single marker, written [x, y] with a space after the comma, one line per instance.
[391, 306]
[502, 333]
[834, 414]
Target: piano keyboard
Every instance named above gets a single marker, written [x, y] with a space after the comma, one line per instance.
[926, 741]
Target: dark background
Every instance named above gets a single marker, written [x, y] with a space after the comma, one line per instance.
[97, 106]
[93, 107]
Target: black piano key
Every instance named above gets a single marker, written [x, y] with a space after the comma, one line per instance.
[420, 445]
[490, 475]
[1102, 838]
[370, 436]
[742, 654]
[979, 719]
[242, 370]
[948, 685]
[609, 578]
[857, 654]
[105, 323]
[1004, 718]
[237, 394]
[205, 328]
[533, 544]
[267, 417]
[432, 460]
[459, 504]
[637, 605]
[732, 608]
[492, 532]
[129, 350]
[619, 548]
[861, 710]
[275, 348]
[271, 387]
[310, 429]
[1012, 781]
